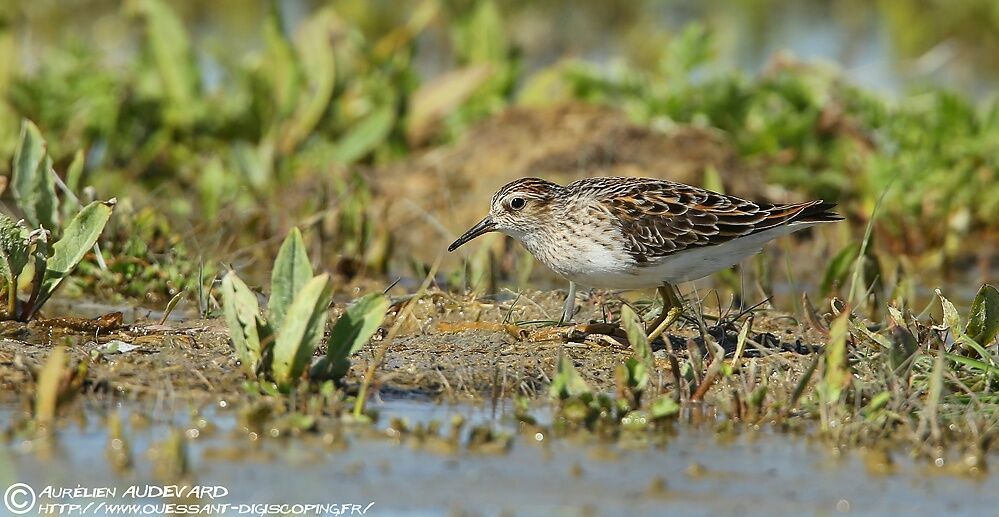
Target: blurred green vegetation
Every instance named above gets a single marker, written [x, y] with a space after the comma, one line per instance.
[211, 152]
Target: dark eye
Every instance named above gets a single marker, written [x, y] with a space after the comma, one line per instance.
[517, 203]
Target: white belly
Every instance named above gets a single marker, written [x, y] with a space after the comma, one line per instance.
[600, 267]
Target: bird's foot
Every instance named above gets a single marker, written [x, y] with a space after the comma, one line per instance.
[664, 321]
[670, 313]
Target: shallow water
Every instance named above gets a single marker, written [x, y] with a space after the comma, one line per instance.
[693, 473]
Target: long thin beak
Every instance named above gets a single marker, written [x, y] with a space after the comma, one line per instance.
[486, 225]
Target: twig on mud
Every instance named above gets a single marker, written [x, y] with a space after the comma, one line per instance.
[445, 383]
[454, 328]
[714, 370]
[201, 376]
[171, 305]
[380, 353]
[572, 333]
[531, 301]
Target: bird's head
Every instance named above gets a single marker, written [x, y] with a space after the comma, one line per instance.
[518, 209]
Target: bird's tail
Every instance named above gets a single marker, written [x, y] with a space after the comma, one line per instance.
[794, 214]
[816, 212]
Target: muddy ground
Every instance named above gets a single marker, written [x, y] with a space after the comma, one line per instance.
[453, 348]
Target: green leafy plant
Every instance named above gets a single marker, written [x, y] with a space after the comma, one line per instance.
[580, 406]
[26, 259]
[983, 322]
[980, 330]
[279, 348]
[836, 376]
[567, 382]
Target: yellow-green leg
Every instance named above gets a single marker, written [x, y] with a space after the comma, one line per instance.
[671, 300]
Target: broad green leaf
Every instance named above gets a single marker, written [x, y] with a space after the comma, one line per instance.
[70, 203]
[389, 45]
[664, 407]
[34, 271]
[877, 403]
[279, 67]
[326, 369]
[74, 174]
[481, 38]
[896, 315]
[317, 64]
[951, 318]
[77, 239]
[303, 327]
[350, 332]
[839, 268]
[442, 96]
[691, 49]
[215, 185]
[903, 345]
[255, 163]
[983, 322]
[357, 325]
[567, 381]
[239, 305]
[170, 49]
[292, 271]
[638, 374]
[13, 249]
[636, 334]
[33, 182]
[364, 136]
[861, 330]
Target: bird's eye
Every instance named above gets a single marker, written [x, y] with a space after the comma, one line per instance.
[517, 203]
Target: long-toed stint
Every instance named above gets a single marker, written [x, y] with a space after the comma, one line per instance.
[637, 233]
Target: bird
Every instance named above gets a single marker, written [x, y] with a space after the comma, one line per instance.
[626, 233]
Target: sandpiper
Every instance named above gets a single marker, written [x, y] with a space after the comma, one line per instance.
[637, 233]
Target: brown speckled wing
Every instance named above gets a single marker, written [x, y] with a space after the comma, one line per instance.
[659, 218]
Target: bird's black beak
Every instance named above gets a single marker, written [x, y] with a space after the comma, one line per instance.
[486, 225]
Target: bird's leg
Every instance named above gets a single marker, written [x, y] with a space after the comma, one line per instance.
[570, 305]
[670, 301]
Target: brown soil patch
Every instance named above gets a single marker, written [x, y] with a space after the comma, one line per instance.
[194, 362]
